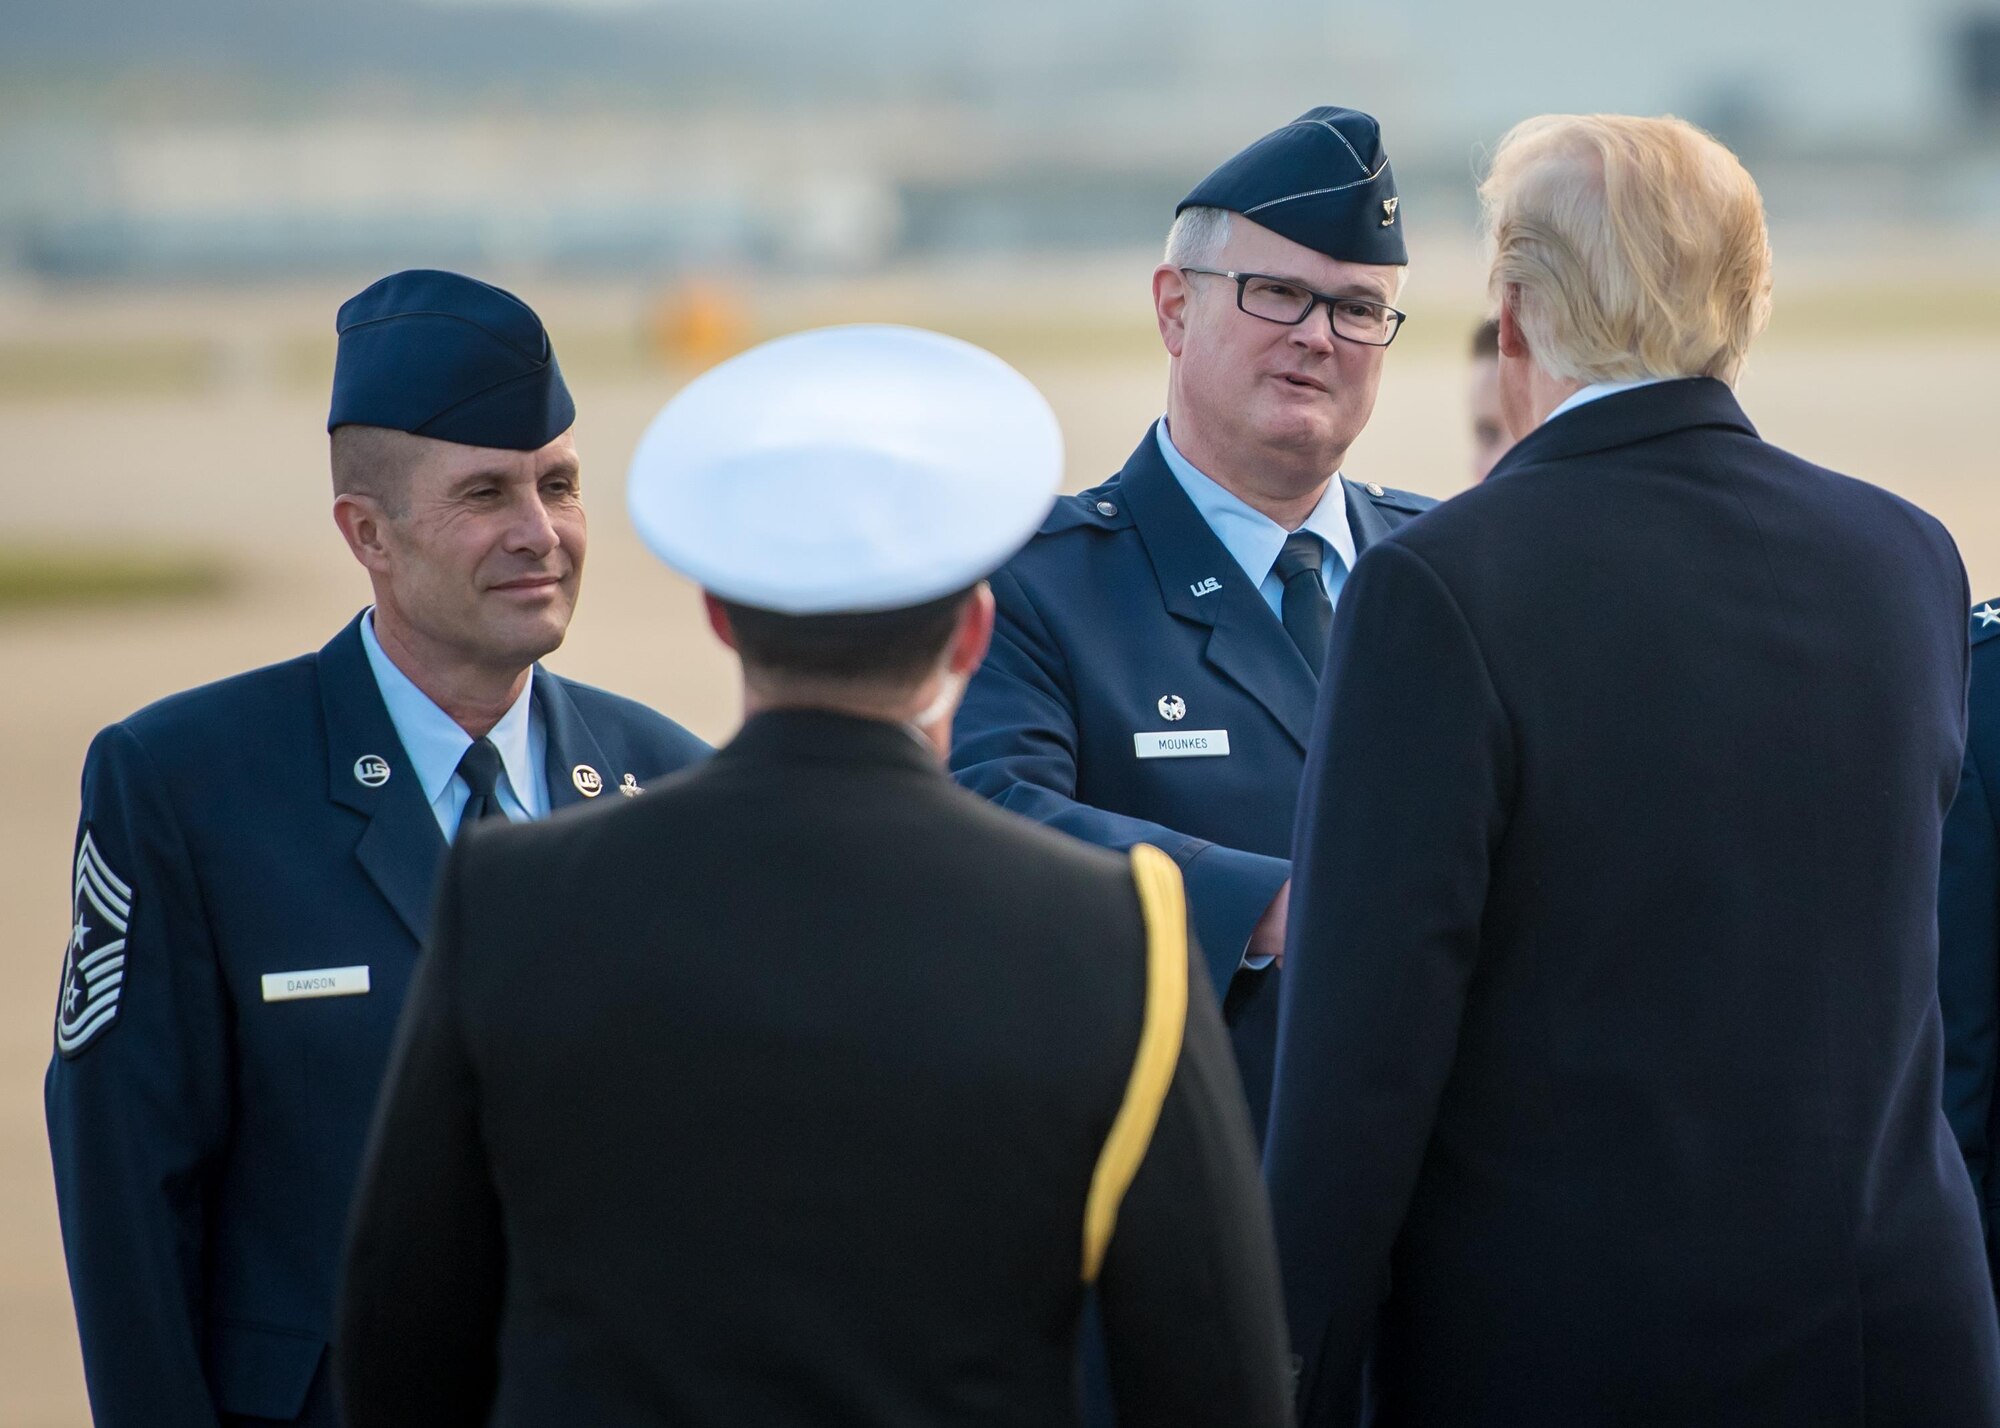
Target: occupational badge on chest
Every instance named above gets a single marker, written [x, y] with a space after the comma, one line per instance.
[1172, 708]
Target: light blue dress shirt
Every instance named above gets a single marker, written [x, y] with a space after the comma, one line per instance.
[435, 744]
[1253, 538]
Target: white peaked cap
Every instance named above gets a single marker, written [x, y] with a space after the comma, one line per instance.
[846, 469]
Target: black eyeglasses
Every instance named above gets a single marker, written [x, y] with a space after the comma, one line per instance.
[1281, 300]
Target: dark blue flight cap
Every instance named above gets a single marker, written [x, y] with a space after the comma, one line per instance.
[446, 356]
[1322, 181]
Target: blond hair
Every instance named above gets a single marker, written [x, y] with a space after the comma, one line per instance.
[1631, 247]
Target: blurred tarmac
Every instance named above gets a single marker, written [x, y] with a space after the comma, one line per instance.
[237, 466]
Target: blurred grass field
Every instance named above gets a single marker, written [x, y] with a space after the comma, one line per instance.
[115, 366]
[63, 574]
[167, 523]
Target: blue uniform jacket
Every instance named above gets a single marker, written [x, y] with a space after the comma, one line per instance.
[1608, 1078]
[1125, 610]
[1969, 929]
[206, 1139]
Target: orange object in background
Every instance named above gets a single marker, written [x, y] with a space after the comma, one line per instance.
[697, 324]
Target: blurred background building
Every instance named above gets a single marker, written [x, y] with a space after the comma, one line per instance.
[234, 138]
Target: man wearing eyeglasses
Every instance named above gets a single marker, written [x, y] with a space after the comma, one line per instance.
[1158, 645]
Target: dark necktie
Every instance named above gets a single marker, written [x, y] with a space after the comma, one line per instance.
[1307, 612]
[480, 768]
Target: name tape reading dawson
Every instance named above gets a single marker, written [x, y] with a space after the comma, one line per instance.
[1182, 744]
[320, 982]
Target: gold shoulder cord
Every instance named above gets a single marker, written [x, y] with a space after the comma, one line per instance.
[1164, 903]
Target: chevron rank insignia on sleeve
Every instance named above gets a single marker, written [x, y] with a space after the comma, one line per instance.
[94, 967]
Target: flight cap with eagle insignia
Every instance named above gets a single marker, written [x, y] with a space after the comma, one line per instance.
[1322, 181]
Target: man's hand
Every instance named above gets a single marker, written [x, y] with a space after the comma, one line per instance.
[1267, 938]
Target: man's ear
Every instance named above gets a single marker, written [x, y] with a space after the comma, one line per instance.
[1513, 342]
[718, 619]
[1171, 293]
[974, 632]
[364, 526]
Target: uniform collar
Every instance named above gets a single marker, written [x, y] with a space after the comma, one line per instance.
[433, 740]
[824, 736]
[1252, 537]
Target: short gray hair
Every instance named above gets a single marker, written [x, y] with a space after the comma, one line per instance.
[1197, 237]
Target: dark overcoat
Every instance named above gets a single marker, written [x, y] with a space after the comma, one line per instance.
[1608, 1078]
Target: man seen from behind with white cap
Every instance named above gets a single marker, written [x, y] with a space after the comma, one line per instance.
[839, 1120]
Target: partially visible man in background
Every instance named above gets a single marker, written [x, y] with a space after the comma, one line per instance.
[836, 1123]
[1490, 437]
[1608, 1084]
[1160, 640]
[1969, 931]
[255, 858]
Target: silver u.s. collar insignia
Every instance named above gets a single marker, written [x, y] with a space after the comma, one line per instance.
[589, 782]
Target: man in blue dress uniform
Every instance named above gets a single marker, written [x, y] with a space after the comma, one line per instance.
[254, 865]
[1969, 928]
[1159, 641]
[1608, 1079]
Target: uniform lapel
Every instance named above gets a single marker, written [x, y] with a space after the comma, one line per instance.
[1368, 524]
[1201, 581]
[401, 846]
[574, 758]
